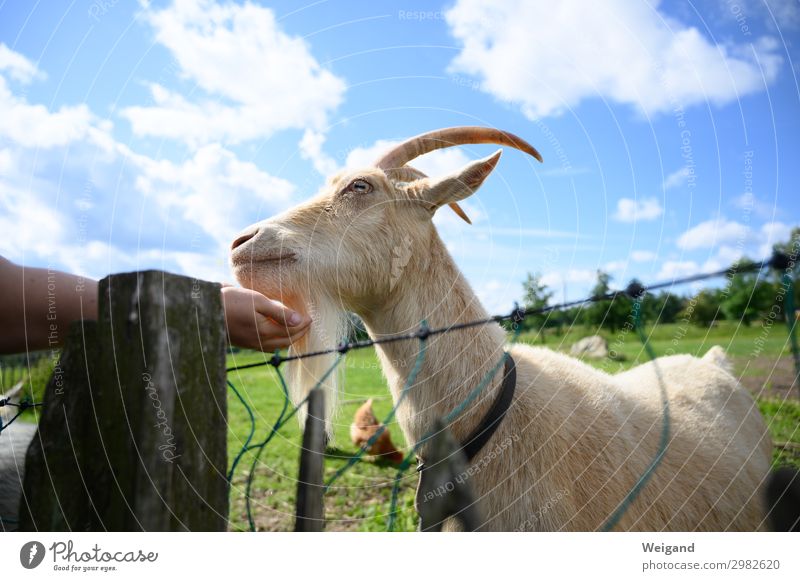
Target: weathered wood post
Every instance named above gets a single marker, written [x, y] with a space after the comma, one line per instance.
[134, 428]
[444, 489]
[310, 489]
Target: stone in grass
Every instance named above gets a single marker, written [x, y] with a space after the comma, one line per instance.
[594, 347]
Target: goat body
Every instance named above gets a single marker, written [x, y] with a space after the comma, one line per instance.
[576, 440]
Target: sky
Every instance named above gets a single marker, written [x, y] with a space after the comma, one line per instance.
[147, 134]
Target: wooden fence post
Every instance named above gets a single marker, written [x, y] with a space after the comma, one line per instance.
[64, 469]
[310, 515]
[444, 490]
[142, 416]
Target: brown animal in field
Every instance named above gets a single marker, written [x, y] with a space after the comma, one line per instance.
[364, 426]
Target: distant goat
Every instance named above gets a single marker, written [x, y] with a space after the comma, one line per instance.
[580, 438]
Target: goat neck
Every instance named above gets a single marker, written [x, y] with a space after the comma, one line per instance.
[431, 288]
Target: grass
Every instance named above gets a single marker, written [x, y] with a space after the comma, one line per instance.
[360, 498]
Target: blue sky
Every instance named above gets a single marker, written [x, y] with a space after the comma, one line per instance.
[138, 135]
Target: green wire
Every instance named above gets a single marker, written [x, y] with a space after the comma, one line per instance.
[279, 423]
[409, 382]
[457, 411]
[243, 450]
[623, 507]
[788, 282]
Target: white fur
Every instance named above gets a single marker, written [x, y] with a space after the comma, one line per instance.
[575, 440]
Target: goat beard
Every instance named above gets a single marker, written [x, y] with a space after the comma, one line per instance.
[328, 329]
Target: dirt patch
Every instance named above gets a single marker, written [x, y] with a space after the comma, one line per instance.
[767, 376]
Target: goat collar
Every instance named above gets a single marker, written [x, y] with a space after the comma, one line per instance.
[431, 518]
[478, 438]
[491, 421]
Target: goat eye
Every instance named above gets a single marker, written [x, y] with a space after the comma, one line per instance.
[361, 187]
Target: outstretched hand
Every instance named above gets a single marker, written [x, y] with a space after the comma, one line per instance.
[256, 322]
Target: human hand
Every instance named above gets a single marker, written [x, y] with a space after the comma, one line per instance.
[256, 322]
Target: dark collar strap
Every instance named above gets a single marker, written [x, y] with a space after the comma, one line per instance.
[491, 421]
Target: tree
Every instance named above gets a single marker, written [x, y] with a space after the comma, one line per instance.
[703, 309]
[748, 296]
[536, 296]
[610, 314]
[664, 307]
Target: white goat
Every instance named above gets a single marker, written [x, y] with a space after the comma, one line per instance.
[580, 438]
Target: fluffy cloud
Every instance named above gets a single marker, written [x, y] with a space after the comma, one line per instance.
[671, 269]
[214, 190]
[256, 78]
[548, 57]
[574, 275]
[677, 178]
[713, 233]
[17, 66]
[34, 125]
[643, 256]
[87, 203]
[630, 210]
[436, 163]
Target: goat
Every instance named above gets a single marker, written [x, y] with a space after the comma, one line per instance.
[580, 438]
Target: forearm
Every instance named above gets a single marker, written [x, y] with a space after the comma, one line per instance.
[38, 305]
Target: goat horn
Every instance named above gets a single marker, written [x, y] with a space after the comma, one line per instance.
[441, 138]
[460, 212]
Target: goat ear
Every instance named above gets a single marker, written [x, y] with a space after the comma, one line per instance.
[455, 187]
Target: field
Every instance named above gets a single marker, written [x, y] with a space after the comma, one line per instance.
[360, 499]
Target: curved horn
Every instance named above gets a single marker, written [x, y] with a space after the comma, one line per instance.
[441, 138]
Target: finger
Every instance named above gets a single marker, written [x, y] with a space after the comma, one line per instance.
[279, 312]
[269, 329]
[273, 344]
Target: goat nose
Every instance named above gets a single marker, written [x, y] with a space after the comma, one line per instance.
[242, 239]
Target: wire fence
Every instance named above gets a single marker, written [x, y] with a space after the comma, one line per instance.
[635, 291]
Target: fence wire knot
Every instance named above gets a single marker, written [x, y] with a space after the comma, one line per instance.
[635, 289]
[780, 260]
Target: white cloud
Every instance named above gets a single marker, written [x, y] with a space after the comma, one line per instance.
[17, 66]
[6, 161]
[311, 149]
[712, 233]
[643, 256]
[555, 279]
[548, 57]
[35, 126]
[91, 205]
[498, 297]
[618, 266]
[773, 233]
[630, 210]
[437, 163]
[677, 178]
[257, 78]
[675, 269]
[214, 190]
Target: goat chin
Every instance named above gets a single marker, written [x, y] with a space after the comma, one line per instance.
[328, 328]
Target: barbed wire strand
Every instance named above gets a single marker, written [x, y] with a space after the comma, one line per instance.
[635, 288]
[22, 406]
